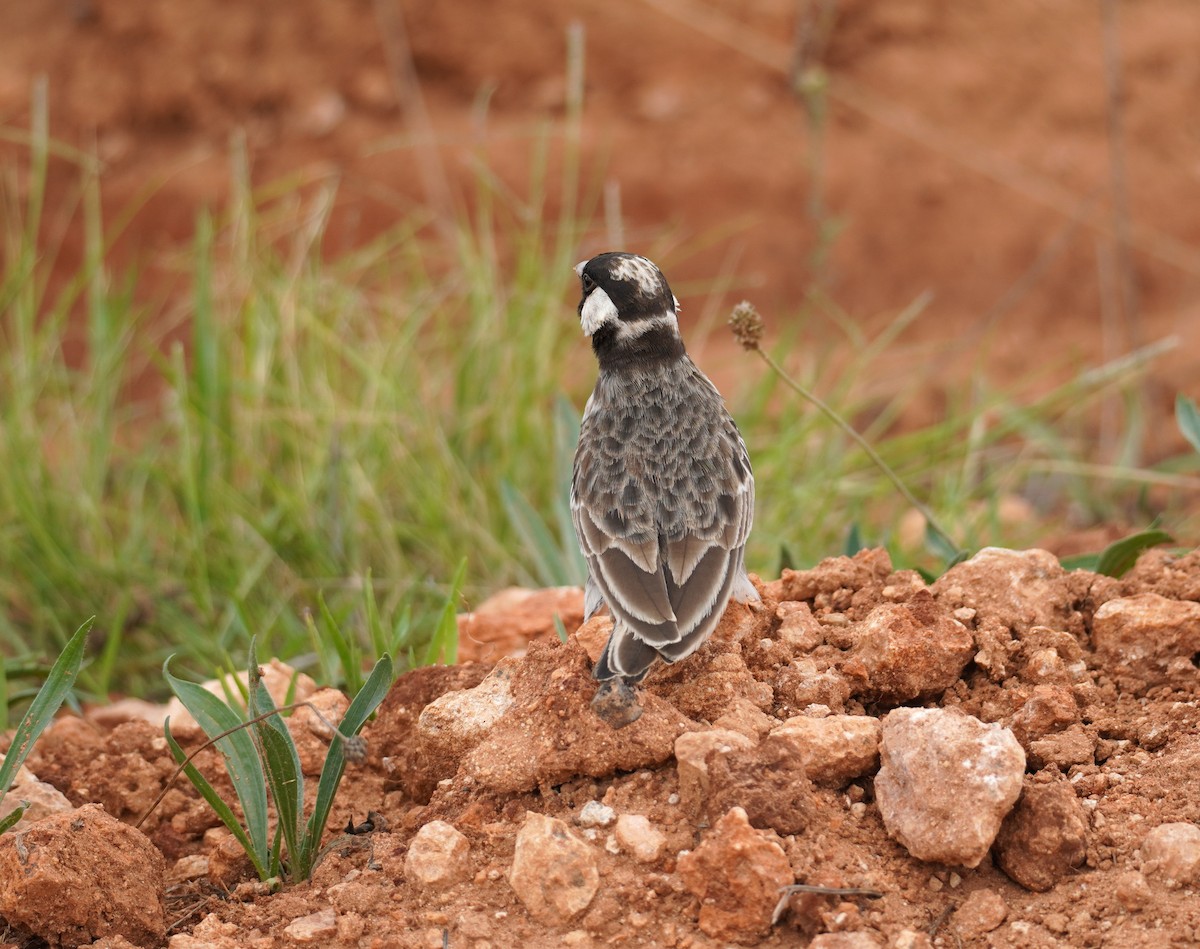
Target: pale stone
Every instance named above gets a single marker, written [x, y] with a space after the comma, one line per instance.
[43, 799]
[639, 838]
[553, 872]
[595, 814]
[945, 783]
[980, 913]
[1146, 632]
[1018, 588]
[439, 856]
[456, 722]
[691, 756]
[836, 748]
[318, 926]
[1171, 852]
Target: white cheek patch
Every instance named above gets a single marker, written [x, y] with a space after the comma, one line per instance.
[598, 309]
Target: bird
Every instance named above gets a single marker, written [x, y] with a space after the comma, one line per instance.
[662, 492]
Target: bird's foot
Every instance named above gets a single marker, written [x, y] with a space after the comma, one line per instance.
[616, 703]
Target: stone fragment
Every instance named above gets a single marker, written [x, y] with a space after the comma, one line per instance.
[1045, 836]
[837, 748]
[639, 838]
[908, 650]
[767, 781]
[846, 940]
[945, 782]
[746, 717]
[1132, 890]
[593, 635]
[1171, 852]
[312, 732]
[1017, 588]
[736, 873]
[980, 913]
[393, 735]
[456, 722]
[834, 583]
[315, 927]
[1145, 633]
[692, 751]
[798, 628]
[506, 622]
[1049, 708]
[439, 856]
[551, 733]
[1073, 746]
[43, 799]
[596, 814]
[800, 684]
[82, 875]
[553, 872]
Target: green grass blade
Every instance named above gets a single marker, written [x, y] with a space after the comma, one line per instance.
[281, 762]
[444, 644]
[222, 810]
[241, 756]
[538, 542]
[364, 703]
[44, 706]
[1187, 417]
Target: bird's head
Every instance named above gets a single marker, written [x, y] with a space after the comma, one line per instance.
[625, 297]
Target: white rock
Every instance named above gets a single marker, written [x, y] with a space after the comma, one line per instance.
[454, 723]
[314, 927]
[638, 837]
[595, 814]
[945, 783]
[44, 799]
[553, 872]
[1147, 631]
[439, 856]
[1172, 853]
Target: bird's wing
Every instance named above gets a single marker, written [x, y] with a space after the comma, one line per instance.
[667, 584]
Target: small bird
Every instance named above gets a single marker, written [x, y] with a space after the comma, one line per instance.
[662, 494]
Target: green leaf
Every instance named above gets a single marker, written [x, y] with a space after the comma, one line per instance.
[241, 756]
[539, 544]
[560, 629]
[44, 706]
[364, 703]
[444, 644]
[1187, 417]
[222, 810]
[854, 540]
[1120, 555]
[280, 759]
[11, 818]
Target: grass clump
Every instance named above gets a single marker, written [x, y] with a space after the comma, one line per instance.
[261, 759]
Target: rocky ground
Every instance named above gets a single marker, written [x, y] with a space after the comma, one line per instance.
[1002, 758]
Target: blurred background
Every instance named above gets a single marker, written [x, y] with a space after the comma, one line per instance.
[287, 295]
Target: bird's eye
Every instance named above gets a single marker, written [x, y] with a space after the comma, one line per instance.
[588, 283]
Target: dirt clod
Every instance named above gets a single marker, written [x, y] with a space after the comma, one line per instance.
[1045, 836]
[736, 873]
[82, 875]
